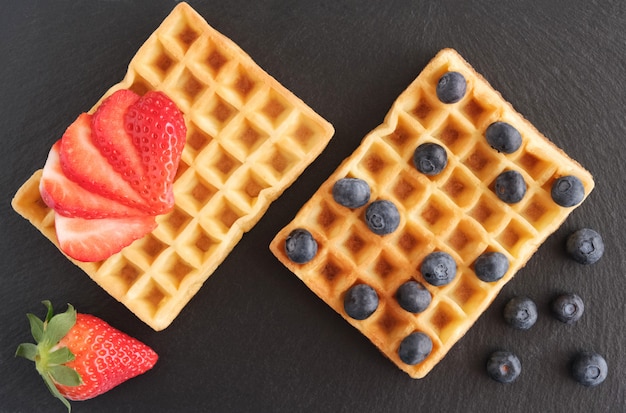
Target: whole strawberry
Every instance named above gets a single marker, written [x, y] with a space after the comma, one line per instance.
[80, 356]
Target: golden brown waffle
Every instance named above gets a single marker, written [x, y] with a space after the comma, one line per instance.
[248, 139]
[456, 212]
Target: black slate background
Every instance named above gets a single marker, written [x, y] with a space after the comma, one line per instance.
[255, 339]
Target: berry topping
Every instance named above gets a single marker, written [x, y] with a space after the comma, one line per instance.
[413, 297]
[430, 158]
[567, 191]
[520, 313]
[114, 143]
[142, 138]
[491, 266]
[80, 356]
[382, 217]
[568, 308]
[68, 198]
[503, 137]
[83, 163]
[585, 246]
[300, 246]
[510, 187]
[589, 369]
[451, 87]
[414, 348]
[360, 301]
[92, 240]
[503, 366]
[438, 268]
[107, 185]
[158, 133]
[351, 192]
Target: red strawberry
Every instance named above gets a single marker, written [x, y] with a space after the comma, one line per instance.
[97, 239]
[68, 198]
[116, 144]
[80, 356]
[83, 163]
[159, 132]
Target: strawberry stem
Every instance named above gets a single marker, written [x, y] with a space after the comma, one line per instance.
[48, 357]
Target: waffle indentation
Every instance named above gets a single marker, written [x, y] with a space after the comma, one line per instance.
[173, 223]
[455, 135]
[404, 137]
[483, 162]
[331, 276]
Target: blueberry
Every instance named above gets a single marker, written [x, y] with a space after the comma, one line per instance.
[430, 158]
[415, 348]
[585, 246]
[382, 217]
[413, 297]
[520, 313]
[360, 301]
[300, 246]
[510, 187]
[451, 87]
[351, 192]
[589, 369]
[504, 366]
[568, 308]
[491, 266]
[438, 268]
[567, 191]
[503, 137]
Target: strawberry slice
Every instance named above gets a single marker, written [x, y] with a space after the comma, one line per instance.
[82, 162]
[158, 131]
[70, 199]
[92, 240]
[110, 136]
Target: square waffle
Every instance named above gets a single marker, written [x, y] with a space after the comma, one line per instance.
[456, 212]
[248, 139]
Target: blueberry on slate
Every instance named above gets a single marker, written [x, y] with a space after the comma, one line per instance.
[351, 192]
[510, 187]
[503, 137]
[438, 268]
[413, 297]
[430, 158]
[360, 301]
[503, 366]
[415, 348]
[585, 246]
[491, 266]
[520, 313]
[451, 87]
[589, 369]
[300, 246]
[568, 308]
[567, 191]
[382, 217]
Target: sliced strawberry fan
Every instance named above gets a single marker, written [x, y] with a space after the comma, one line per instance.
[112, 173]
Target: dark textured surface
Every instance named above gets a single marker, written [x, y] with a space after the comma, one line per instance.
[255, 339]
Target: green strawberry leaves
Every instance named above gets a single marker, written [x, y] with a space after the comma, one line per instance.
[56, 327]
[48, 357]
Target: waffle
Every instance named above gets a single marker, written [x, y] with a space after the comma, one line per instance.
[456, 212]
[248, 139]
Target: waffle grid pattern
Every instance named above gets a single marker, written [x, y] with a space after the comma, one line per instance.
[455, 211]
[248, 139]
